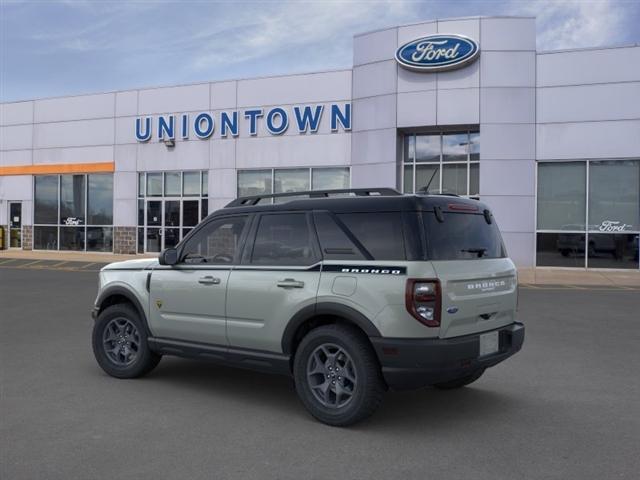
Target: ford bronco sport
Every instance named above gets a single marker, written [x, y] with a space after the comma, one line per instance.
[350, 292]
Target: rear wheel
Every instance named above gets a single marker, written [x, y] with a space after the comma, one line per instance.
[460, 382]
[120, 343]
[337, 375]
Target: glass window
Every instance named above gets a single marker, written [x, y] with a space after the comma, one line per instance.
[334, 242]
[428, 148]
[254, 182]
[205, 184]
[455, 147]
[614, 196]
[205, 209]
[45, 238]
[172, 213]
[611, 250]
[71, 238]
[409, 148]
[154, 185]
[154, 213]
[190, 213]
[291, 180]
[408, 179]
[99, 239]
[140, 240]
[454, 179]
[46, 200]
[141, 184]
[330, 178]
[379, 233]
[215, 243]
[72, 197]
[462, 236]
[100, 200]
[474, 146]
[560, 249]
[474, 179]
[283, 240]
[561, 196]
[141, 213]
[428, 175]
[172, 184]
[191, 184]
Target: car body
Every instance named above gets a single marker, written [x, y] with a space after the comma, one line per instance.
[416, 289]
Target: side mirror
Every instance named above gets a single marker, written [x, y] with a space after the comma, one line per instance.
[169, 256]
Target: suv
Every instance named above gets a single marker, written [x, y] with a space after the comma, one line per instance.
[350, 292]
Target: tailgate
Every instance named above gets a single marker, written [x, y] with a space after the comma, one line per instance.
[477, 295]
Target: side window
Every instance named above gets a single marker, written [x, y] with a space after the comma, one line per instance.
[379, 233]
[217, 243]
[283, 239]
[334, 242]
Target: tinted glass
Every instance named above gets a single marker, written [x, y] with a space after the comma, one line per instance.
[454, 179]
[153, 239]
[614, 196]
[427, 175]
[379, 233]
[474, 146]
[205, 209]
[293, 180]
[45, 238]
[191, 183]
[455, 147]
[190, 213]
[283, 240]
[100, 200]
[216, 243]
[560, 250]
[171, 237]
[205, 184]
[330, 178]
[408, 179]
[409, 148]
[140, 212]
[561, 196]
[154, 184]
[72, 191]
[254, 182]
[172, 184]
[141, 240]
[613, 250]
[462, 236]
[427, 148]
[474, 179]
[154, 209]
[334, 242]
[141, 184]
[172, 213]
[45, 207]
[99, 239]
[71, 238]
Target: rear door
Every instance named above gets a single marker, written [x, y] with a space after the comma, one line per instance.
[478, 281]
[279, 276]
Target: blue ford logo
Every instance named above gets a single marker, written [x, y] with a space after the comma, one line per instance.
[436, 53]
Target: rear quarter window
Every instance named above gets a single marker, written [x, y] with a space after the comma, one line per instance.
[379, 233]
[462, 236]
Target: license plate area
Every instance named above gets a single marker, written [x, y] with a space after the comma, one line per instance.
[489, 343]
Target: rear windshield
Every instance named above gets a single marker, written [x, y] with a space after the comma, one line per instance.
[462, 236]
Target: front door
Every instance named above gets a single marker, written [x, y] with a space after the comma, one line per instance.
[168, 221]
[187, 300]
[15, 225]
[279, 276]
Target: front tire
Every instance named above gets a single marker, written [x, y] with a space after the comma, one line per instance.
[460, 382]
[120, 345]
[337, 375]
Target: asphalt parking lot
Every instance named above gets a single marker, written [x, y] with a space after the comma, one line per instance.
[566, 407]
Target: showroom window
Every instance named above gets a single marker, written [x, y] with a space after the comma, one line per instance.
[588, 214]
[445, 162]
[282, 180]
[170, 204]
[73, 212]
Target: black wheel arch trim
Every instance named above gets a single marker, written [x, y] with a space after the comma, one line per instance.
[350, 314]
[124, 292]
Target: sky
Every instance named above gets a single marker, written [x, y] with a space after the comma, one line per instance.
[67, 47]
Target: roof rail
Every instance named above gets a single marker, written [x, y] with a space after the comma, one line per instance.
[358, 192]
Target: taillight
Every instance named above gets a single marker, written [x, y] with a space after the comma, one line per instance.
[422, 299]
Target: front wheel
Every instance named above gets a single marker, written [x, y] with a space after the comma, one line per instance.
[120, 343]
[337, 375]
[460, 382]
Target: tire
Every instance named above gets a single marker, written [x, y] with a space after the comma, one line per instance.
[460, 382]
[130, 356]
[338, 355]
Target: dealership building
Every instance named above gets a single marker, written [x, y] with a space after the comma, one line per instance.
[549, 140]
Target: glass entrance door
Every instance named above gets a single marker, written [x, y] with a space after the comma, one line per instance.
[167, 221]
[15, 225]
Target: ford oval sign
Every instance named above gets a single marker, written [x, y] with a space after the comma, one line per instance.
[437, 53]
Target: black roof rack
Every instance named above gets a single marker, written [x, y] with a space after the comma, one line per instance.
[358, 192]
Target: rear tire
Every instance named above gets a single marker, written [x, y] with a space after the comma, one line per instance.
[120, 345]
[460, 382]
[337, 375]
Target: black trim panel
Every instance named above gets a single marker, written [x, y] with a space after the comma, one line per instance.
[118, 290]
[366, 269]
[260, 360]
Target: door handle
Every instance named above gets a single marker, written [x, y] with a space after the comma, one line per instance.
[290, 283]
[209, 280]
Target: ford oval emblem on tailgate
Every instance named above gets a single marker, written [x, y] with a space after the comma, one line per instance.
[452, 310]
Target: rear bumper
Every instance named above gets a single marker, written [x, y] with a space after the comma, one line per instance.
[415, 363]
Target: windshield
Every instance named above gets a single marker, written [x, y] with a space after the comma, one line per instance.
[462, 236]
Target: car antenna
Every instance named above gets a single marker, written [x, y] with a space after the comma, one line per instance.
[425, 190]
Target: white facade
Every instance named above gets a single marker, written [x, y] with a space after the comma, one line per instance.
[527, 106]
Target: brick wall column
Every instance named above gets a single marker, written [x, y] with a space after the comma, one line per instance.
[124, 240]
[27, 237]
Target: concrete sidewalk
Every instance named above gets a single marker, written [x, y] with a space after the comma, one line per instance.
[526, 276]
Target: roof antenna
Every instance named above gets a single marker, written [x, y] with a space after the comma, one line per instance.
[425, 190]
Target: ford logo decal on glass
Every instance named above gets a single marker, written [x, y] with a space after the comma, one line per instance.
[436, 53]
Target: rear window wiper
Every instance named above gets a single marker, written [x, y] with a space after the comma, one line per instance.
[479, 251]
